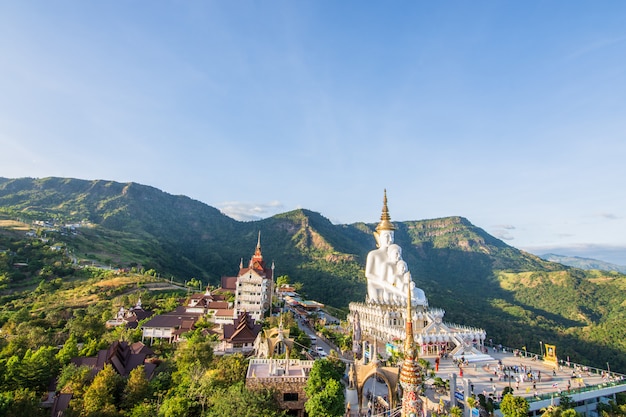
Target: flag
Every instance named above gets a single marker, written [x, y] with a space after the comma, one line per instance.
[550, 353]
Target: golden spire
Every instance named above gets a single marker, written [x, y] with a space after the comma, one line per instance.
[410, 372]
[257, 252]
[385, 219]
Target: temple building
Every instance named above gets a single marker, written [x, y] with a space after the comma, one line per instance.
[383, 315]
[253, 291]
[240, 336]
[273, 369]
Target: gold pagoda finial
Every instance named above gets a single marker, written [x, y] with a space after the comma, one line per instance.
[257, 251]
[410, 372]
[385, 219]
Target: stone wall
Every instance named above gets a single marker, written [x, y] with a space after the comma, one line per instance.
[282, 386]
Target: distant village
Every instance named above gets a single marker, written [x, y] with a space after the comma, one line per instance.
[236, 326]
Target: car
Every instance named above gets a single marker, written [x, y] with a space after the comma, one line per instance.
[321, 352]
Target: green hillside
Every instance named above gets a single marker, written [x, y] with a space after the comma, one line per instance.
[518, 298]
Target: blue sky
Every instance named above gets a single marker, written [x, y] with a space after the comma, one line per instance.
[511, 114]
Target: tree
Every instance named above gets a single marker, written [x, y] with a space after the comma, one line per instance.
[197, 349]
[471, 401]
[19, 403]
[68, 351]
[73, 379]
[237, 400]
[175, 406]
[282, 280]
[101, 396]
[86, 327]
[298, 286]
[558, 411]
[329, 402]
[566, 402]
[322, 371]
[91, 348]
[194, 283]
[12, 372]
[143, 410]
[512, 406]
[324, 390]
[38, 368]
[230, 369]
[137, 388]
[456, 411]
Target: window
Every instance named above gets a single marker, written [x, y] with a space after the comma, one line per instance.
[290, 396]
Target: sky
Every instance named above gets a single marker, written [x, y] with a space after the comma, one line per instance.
[511, 114]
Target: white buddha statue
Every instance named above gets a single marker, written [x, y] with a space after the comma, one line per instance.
[387, 274]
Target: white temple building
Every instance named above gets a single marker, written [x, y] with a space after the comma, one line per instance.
[253, 293]
[382, 316]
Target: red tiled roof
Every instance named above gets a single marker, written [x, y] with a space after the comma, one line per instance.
[226, 312]
[173, 319]
[244, 330]
[218, 305]
[229, 283]
[122, 356]
[61, 403]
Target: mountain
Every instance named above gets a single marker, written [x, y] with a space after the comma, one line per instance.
[518, 298]
[583, 263]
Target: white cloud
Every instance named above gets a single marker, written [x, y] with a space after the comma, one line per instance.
[504, 226]
[503, 235]
[609, 216]
[502, 231]
[244, 211]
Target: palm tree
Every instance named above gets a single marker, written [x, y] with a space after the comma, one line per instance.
[471, 401]
[456, 411]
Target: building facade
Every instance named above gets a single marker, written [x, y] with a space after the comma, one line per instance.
[253, 292]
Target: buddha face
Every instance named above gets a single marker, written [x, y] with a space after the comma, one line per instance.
[395, 253]
[385, 238]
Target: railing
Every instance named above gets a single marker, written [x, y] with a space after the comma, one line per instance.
[281, 378]
[569, 365]
[573, 391]
[615, 378]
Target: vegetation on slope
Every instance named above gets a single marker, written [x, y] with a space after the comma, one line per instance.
[476, 278]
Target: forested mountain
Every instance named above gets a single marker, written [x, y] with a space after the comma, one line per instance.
[479, 280]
